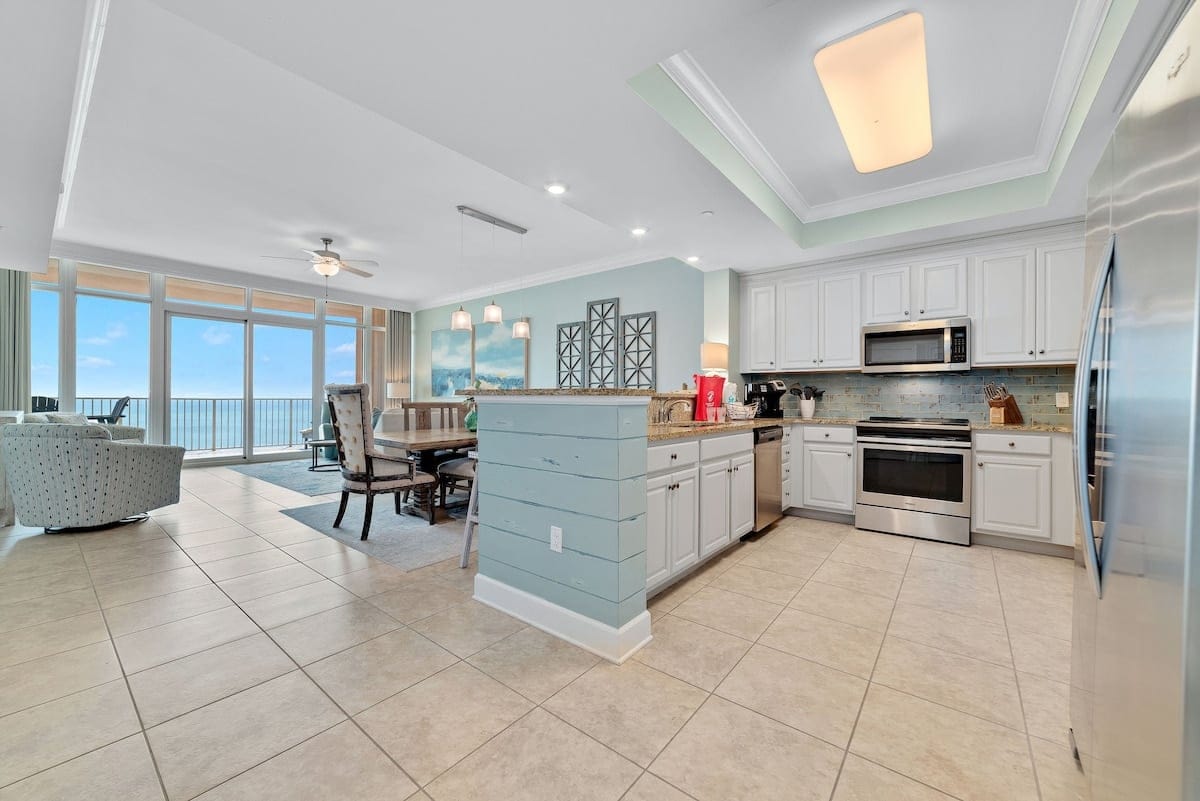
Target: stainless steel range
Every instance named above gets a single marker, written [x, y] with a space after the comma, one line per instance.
[914, 477]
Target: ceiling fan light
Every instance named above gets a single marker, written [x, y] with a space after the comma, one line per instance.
[327, 267]
[460, 320]
[878, 87]
[521, 329]
[493, 313]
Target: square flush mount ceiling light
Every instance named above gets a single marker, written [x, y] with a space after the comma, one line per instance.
[878, 86]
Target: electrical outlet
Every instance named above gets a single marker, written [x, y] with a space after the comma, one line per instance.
[556, 539]
[1062, 400]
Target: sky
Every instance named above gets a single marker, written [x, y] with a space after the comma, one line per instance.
[113, 353]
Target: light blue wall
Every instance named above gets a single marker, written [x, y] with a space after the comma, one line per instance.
[669, 287]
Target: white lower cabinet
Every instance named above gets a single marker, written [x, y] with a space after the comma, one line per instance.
[1012, 495]
[696, 508]
[829, 477]
[671, 525]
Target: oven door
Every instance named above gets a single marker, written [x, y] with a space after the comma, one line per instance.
[915, 476]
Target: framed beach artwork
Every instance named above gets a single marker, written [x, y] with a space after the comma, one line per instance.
[450, 361]
[500, 362]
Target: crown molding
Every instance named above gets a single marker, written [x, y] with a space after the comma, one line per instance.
[108, 257]
[1086, 24]
[549, 277]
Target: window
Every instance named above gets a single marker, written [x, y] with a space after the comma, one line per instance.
[44, 340]
[343, 313]
[188, 291]
[112, 355]
[343, 354]
[48, 277]
[282, 304]
[112, 279]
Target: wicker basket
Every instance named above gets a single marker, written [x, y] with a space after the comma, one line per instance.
[741, 411]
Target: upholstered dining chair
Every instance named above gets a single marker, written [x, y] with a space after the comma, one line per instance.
[364, 470]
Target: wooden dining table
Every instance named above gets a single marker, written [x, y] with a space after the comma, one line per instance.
[424, 443]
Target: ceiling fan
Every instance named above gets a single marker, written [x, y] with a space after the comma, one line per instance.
[329, 263]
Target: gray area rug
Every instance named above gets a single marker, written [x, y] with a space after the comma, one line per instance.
[402, 540]
[294, 475]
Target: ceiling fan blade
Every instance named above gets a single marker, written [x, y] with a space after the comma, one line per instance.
[286, 258]
[363, 262]
[356, 271]
[312, 253]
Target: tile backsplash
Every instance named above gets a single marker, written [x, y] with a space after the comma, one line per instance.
[856, 395]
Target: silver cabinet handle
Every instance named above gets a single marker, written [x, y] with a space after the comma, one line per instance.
[1083, 378]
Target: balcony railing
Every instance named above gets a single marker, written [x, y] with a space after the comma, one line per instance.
[217, 424]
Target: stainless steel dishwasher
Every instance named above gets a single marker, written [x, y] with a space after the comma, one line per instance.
[768, 476]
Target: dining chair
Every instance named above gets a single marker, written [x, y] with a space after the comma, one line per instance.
[365, 471]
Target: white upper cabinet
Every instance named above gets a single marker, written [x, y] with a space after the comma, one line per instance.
[1029, 305]
[1060, 289]
[886, 295]
[758, 329]
[798, 324]
[1004, 307]
[940, 289]
[841, 322]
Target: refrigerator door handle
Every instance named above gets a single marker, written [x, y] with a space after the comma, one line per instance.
[1083, 381]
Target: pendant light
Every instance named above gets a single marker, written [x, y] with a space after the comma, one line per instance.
[491, 312]
[521, 325]
[460, 320]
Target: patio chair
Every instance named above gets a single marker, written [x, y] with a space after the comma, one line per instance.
[41, 403]
[364, 470]
[113, 417]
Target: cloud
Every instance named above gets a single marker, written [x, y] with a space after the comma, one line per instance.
[94, 361]
[112, 332]
[215, 336]
[345, 347]
[345, 374]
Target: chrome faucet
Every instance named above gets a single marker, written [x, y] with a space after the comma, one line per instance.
[664, 411]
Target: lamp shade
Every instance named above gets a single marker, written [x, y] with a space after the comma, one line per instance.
[460, 320]
[520, 329]
[397, 389]
[493, 313]
[714, 356]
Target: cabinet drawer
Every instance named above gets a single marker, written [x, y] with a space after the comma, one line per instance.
[719, 447]
[786, 454]
[671, 456]
[787, 433]
[787, 494]
[1026, 444]
[842, 434]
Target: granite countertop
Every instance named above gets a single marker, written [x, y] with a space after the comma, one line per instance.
[612, 393]
[671, 431]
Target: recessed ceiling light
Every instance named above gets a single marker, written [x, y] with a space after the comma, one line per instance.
[878, 86]
[693, 259]
[639, 231]
[556, 188]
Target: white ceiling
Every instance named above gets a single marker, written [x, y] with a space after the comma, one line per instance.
[222, 131]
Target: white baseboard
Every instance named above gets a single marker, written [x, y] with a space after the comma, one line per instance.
[615, 645]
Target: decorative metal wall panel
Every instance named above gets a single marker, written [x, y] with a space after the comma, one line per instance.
[638, 351]
[603, 344]
[570, 362]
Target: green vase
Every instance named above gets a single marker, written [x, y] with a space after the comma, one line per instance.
[472, 420]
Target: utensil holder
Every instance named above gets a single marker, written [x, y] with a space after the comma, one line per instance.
[807, 407]
[1005, 411]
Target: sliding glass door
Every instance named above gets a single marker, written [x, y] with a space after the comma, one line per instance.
[282, 387]
[206, 408]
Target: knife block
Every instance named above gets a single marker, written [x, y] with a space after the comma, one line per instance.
[1005, 412]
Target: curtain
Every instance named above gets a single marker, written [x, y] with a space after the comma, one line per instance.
[15, 387]
[398, 354]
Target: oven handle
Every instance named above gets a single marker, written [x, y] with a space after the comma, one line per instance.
[899, 444]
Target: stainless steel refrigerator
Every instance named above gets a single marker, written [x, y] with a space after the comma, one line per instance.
[1135, 674]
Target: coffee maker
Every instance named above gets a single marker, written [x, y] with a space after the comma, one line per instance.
[767, 393]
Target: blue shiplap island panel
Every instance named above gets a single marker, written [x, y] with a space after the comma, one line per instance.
[578, 463]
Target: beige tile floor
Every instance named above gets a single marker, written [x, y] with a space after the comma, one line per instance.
[221, 650]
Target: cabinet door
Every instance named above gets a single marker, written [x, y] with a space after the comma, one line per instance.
[658, 555]
[684, 530]
[886, 295]
[940, 289]
[758, 328]
[829, 477]
[1060, 279]
[715, 478]
[741, 495]
[841, 322]
[1004, 308]
[1012, 496]
[798, 324]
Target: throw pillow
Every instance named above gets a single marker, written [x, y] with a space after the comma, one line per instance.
[67, 418]
[34, 417]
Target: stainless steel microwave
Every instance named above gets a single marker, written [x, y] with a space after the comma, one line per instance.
[925, 346]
